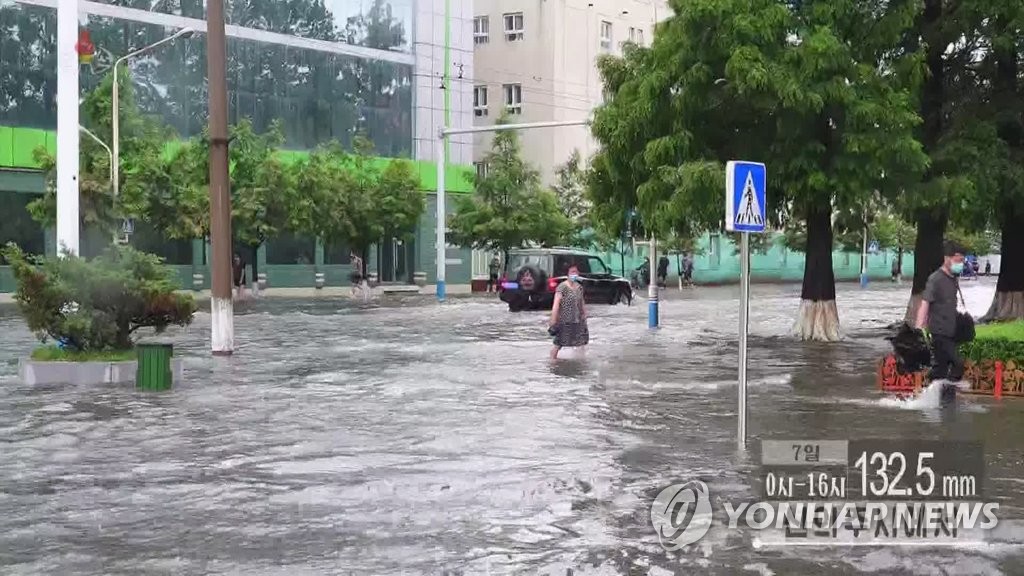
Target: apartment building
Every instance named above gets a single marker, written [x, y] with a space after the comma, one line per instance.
[536, 59]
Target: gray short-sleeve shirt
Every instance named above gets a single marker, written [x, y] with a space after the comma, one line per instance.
[940, 294]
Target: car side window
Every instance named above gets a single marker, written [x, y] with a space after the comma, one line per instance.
[584, 265]
[596, 265]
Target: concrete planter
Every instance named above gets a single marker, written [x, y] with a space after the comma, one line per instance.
[419, 278]
[35, 373]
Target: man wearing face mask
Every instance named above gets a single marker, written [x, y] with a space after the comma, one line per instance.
[937, 313]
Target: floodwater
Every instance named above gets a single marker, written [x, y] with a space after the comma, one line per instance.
[408, 437]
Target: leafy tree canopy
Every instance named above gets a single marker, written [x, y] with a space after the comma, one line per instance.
[509, 208]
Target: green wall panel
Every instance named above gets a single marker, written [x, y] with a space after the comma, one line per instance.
[21, 144]
[24, 144]
[6, 146]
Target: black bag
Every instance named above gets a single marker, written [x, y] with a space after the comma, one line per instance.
[964, 323]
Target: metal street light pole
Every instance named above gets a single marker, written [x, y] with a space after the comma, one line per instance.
[96, 139]
[115, 121]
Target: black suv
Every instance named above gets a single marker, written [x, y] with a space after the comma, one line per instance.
[535, 273]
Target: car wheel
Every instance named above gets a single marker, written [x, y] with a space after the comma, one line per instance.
[626, 296]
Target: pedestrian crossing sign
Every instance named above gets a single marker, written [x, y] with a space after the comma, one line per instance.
[745, 184]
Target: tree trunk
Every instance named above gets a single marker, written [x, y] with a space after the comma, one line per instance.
[818, 318]
[1008, 303]
[931, 221]
[931, 227]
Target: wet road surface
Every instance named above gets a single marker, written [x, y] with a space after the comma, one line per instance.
[407, 437]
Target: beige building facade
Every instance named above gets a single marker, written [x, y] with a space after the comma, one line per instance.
[537, 60]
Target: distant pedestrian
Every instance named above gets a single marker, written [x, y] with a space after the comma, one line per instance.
[568, 322]
[663, 263]
[358, 276]
[494, 269]
[988, 267]
[238, 275]
[688, 269]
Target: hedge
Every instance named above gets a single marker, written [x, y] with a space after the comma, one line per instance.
[1002, 341]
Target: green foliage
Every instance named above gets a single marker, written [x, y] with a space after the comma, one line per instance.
[509, 208]
[261, 184]
[346, 196]
[570, 189]
[811, 89]
[99, 304]
[57, 354]
[997, 341]
[893, 232]
[977, 243]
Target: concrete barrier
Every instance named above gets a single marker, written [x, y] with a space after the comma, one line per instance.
[36, 373]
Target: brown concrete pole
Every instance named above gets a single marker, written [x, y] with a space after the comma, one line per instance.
[222, 333]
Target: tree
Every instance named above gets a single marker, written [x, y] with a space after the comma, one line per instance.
[100, 304]
[1003, 77]
[508, 208]
[894, 233]
[811, 89]
[143, 140]
[261, 185]
[947, 39]
[570, 189]
[349, 197]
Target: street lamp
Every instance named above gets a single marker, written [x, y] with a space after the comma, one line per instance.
[110, 153]
[116, 120]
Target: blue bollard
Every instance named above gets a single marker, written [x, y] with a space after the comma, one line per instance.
[863, 280]
[652, 313]
[440, 290]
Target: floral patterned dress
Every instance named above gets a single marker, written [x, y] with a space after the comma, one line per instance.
[572, 325]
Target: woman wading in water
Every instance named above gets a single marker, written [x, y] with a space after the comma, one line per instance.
[569, 315]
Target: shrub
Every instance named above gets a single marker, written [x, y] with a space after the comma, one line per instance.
[97, 305]
[1003, 341]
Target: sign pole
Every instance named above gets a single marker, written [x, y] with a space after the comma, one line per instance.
[741, 432]
[864, 260]
[652, 288]
[745, 205]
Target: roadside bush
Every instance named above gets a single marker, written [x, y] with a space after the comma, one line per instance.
[98, 304]
[1003, 341]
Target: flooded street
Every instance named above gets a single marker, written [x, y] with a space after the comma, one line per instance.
[408, 437]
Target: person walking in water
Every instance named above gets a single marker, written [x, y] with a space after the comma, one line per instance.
[568, 322]
[238, 275]
[937, 313]
[357, 277]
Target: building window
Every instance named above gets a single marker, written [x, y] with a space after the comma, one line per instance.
[480, 100]
[481, 30]
[514, 26]
[482, 169]
[606, 34]
[514, 98]
[636, 36]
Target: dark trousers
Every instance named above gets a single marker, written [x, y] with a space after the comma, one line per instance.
[946, 361]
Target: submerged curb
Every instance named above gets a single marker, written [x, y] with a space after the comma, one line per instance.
[35, 373]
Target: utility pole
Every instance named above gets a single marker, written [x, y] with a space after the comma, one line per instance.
[67, 128]
[222, 333]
